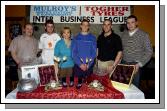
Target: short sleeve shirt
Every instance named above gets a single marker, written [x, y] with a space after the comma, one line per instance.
[108, 47]
[26, 49]
[47, 43]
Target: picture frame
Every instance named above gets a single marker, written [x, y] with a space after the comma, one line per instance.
[122, 76]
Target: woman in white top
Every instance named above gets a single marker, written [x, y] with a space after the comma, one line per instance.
[47, 42]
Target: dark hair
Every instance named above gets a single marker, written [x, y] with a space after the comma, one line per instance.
[107, 20]
[132, 16]
[65, 28]
[85, 20]
[50, 21]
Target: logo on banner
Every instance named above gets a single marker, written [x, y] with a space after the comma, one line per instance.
[75, 14]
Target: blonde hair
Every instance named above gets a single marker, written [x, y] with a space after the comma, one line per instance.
[65, 28]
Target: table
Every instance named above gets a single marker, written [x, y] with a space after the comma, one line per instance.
[83, 93]
[132, 93]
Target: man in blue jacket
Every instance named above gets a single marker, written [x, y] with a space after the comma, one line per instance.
[83, 52]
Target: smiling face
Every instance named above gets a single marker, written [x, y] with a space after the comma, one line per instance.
[66, 34]
[49, 28]
[131, 24]
[28, 30]
[107, 26]
[84, 26]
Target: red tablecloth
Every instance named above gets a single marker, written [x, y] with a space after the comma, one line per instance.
[72, 93]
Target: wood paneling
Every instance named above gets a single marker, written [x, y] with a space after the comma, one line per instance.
[15, 11]
[146, 19]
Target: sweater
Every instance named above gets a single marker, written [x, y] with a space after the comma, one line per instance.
[136, 48]
[83, 49]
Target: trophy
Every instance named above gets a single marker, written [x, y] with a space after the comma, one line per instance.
[58, 61]
[87, 60]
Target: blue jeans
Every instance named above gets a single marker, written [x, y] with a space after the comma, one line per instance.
[136, 79]
[82, 74]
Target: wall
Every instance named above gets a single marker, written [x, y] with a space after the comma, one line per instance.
[146, 17]
[14, 14]
[15, 11]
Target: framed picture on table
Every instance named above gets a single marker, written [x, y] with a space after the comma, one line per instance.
[47, 74]
[43, 73]
[122, 76]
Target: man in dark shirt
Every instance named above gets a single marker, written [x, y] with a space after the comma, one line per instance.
[109, 48]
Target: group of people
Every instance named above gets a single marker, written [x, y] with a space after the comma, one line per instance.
[78, 55]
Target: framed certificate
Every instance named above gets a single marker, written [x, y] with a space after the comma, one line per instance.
[46, 74]
[43, 73]
[122, 76]
[30, 72]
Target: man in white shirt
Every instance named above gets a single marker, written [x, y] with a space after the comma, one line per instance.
[47, 42]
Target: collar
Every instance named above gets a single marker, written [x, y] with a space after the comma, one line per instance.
[131, 33]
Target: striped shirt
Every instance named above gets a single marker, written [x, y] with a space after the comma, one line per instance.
[136, 48]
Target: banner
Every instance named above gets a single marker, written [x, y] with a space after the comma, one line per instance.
[75, 13]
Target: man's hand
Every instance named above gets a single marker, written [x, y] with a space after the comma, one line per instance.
[136, 68]
[19, 64]
[110, 68]
[87, 66]
[83, 67]
[39, 53]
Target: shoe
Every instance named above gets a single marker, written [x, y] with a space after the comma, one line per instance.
[71, 84]
[64, 84]
[79, 86]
